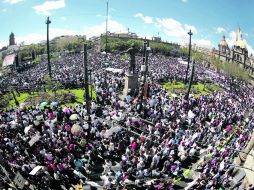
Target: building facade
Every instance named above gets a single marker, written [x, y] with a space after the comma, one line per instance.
[238, 53]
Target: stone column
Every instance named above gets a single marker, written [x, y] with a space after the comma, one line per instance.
[130, 84]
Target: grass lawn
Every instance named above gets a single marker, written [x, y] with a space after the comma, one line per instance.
[198, 89]
[79, 93]
[20, 99]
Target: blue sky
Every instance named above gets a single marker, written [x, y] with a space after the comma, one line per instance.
[209, 19]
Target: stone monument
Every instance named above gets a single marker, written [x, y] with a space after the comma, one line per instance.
[131, 78]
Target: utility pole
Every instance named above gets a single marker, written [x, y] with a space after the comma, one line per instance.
[187, 71]
[49, 66]
[191, 79]
[106, 33]
[86, 95]
[146, 60]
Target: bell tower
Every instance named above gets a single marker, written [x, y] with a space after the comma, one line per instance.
[12, 39]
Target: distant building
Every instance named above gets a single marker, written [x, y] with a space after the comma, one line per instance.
[96, 40]
[9, 54]
[237, 53]
[156, 38]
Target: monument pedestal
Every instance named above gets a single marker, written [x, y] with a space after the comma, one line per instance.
[130, 84]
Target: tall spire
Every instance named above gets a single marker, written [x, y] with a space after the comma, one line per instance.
[238, 33]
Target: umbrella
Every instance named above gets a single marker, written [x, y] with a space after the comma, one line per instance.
[66, 110]
[43, 104]
[74, 117]
[76, 129]
[54, 103]
[78, 163]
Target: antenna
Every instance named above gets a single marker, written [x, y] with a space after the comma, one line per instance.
[107, 33]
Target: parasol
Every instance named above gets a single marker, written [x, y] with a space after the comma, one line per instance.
[43, 104]
[74, 117]
[76, 129]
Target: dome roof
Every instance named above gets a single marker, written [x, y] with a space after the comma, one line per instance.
[241, 44]
[223, 42]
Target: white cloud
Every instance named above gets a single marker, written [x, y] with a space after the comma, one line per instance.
[96, 30]
[63, 18]
[220, 30]
[3, 43]
[190, 27]
[184, 1]
[13, 1]
[175, 29]
[203, 43]
[146, 19]
[38, 37]
[99, 15]
[30, 38]
[48, 6]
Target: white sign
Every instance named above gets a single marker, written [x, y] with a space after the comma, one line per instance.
[34, 139]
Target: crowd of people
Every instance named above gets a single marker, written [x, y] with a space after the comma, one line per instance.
[130, 142]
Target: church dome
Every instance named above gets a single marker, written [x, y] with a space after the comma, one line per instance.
[223, 42]
[241, 44]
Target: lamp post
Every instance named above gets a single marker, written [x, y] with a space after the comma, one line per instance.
[49, 66]
[86, 94]
[106, 49]
[187, 71]
[190, 82]
[90, 81]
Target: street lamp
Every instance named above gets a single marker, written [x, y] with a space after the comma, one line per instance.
[49, 66]
[187, 71]
[85, 72]
[191, 80]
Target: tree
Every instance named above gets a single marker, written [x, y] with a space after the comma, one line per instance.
[234, 70]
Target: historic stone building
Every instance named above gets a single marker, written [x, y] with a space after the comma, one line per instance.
[9, 54]
[237, 53]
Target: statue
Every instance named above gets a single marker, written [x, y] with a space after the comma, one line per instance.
[132, 51]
